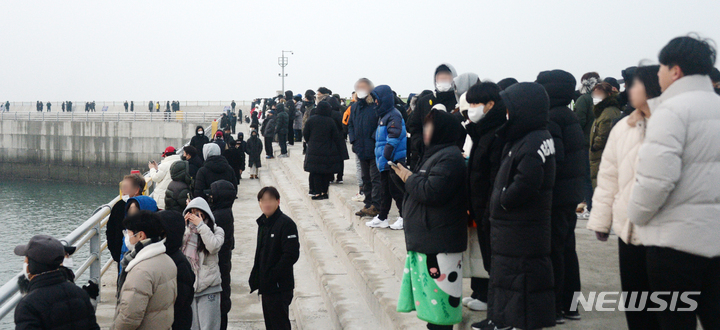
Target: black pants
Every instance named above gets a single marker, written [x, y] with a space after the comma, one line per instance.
[371, 183]
[233, 127]
[319, 183]
[562, 217]
[571, 280]
[298, 135]
[291, 134]
[340, 174]
[268, 146]
[389, 192]
[634, 278]
[479, 288]
[225, 302]
[282, 141]
[276, 310]
[431, 326]
[672, 270]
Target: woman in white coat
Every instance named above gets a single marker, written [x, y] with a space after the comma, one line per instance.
[614, 187]
[201, 243]
[160, 174]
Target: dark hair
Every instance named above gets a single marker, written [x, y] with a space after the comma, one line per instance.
[145, 221]
[324, 91]
[507, 82]
[190, 150]
[647, 75]
[483, 92]
[691, 53]
[590, 75]
[268, 190]
[715, 75]
[137, 181]
[605, 87]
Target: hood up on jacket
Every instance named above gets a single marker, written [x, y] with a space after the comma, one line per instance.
[559, 85]
[174, 225]
[222, 195]
[463, 83]
[446, 131]
[240, 136]
[444, 67]
[200, 204]
[198, 128]
[180, 171]
[323, 109]
[334, 103]
[528, 106]
[146, 203]
[385, 99]
[210, 149]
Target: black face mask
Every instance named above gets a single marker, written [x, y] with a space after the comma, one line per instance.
[183, 157]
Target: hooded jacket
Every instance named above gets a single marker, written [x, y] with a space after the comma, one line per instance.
[435, 203]
[48, 303]
[269, 126]
[390, 136]
[463, 83]
[361, 129]
[208, 275]
[521, 282]
[162, 178]
[174, 226]
[675, 200]
[195, 163]
[222, 197]
[323, 142]
[570, 162]
[336, 115]
[278, 249]
[605, 114]
[177, 191]
[235, 157]
[147, 297]
[215, 168]
[281, 120]
[254, 149]
[199, 140]
[422, 108]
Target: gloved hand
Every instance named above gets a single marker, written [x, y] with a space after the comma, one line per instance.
[602, 237]
[92, 289]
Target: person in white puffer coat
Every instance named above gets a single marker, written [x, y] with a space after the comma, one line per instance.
[160, 174]
[614, 186]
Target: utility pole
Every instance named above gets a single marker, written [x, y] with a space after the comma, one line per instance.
[283, 62]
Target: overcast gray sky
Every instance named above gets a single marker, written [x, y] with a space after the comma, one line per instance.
[221, 50]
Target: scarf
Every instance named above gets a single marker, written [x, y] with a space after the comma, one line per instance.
[127, 258]
[190, 248]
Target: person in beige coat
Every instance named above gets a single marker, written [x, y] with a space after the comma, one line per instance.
[201, 244]
[614, 186]
[149, 279]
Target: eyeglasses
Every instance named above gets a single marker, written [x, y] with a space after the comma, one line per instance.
[125, 232]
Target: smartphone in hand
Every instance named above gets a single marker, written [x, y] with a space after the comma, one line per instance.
[392, 164]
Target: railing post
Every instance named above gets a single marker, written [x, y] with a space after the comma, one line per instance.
[95, 251]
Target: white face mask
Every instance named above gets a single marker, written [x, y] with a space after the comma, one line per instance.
[361, 94]
[25, 270]
[128, 245]
[475, 114]
[201, 132]
[68, 263]
[443, 86]
[596, 100]
[125, 198]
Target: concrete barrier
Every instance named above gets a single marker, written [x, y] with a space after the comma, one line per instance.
[91, 152]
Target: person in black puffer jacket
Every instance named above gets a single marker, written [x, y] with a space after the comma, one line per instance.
[435, 225]
[253, 149]
[174, 226]
[178, 190]
[324, 156]
[570, 169]
[336, 115]
[200, 139]
[520, 209]
[222, 197]
[215, 168]
[281, 127]
[52, 302]
[268, 133]
[194, 159]
[483, 165]
[235, 157]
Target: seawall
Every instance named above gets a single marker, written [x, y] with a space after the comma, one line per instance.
[91, 152]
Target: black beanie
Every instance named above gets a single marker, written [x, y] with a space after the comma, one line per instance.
[613, 82]
[310, 94]
[324, 90]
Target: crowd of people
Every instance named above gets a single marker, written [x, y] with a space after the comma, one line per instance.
[489, 180]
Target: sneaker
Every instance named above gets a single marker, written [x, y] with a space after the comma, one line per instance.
[559, 319]
[284, 156]
[398, 225]
[574, 316]
[477, 305]
[584, 216]
[320, 197]
[372, 211]
[466, 300]
[377, 223]
[339, 181]
[489, 325]
[269, 157]
[358, 198]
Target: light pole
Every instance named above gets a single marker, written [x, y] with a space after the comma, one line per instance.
[283, 62]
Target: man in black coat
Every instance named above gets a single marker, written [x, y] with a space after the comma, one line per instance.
[132, 185]
[336, 115]
[281, 128]
[278, 248]
[235, 157]
[192, 156]
[52, 302]
[174, 226]
[215, 168]
[362, 125]
[222, 197]
[444, 94]
[567, 193]
[486, 115]
[268, 133]
[290, 106]
[520, 209]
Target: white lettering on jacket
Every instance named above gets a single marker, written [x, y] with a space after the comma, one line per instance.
[547, 148]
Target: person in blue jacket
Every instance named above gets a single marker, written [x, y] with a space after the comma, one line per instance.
[390, 145]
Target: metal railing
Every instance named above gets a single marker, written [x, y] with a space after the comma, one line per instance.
[139, 105]
[89, 231]
[112, 116]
